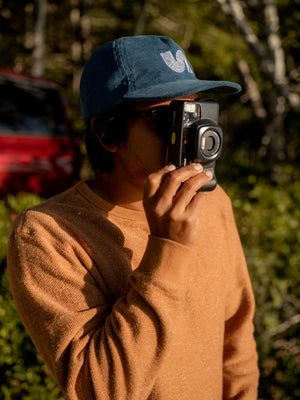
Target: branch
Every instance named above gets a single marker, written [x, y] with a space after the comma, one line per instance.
[252, 90]
[274, 41]
[234, 10]
[141, 22]
[38, 54]
[295, 319]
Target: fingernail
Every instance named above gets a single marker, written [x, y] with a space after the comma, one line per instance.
[198, 167]
[208, 173]
[171, 167]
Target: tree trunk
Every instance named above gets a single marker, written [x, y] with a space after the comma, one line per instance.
[39, 38]
[141, 21]
[81, 46]
[272, 65]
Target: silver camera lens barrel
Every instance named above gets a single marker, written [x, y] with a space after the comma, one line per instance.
[210, 142]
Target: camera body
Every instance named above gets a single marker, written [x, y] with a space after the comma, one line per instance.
[195, 136]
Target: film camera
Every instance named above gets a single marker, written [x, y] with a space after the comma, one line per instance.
[195, 136]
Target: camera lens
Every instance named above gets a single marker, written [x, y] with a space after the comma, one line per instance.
[210, 143]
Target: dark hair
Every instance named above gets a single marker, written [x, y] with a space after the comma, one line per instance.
[111, 127]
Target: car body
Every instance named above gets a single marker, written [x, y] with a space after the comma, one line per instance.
[38, 150]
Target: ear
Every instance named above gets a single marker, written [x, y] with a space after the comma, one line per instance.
[112, 148]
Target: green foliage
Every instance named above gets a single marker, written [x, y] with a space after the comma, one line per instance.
[4, 229]
[268, 217]
[20, 203]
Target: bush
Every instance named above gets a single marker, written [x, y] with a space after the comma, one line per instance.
[268, 217]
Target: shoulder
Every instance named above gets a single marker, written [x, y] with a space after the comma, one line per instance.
[61, 210]
[47, 235]
[52, 217]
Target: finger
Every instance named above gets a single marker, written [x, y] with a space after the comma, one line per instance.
[189, 189]
[174, 180]
[154, 180]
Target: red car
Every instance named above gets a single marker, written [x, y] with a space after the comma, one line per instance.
[38, 150]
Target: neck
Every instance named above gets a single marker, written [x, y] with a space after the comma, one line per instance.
[118, 191]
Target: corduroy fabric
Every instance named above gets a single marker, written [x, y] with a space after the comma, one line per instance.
[140, 68]
[119, 314]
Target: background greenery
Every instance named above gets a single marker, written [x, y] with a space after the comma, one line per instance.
[259, 169]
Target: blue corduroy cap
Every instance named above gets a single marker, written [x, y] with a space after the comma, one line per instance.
[140, 68]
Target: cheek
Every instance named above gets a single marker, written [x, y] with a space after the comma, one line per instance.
[145, 151]
[153, 152]
[144, 142]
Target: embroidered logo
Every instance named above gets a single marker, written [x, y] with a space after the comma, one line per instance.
[177, 64]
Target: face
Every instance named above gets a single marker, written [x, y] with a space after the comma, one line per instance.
[144, 151]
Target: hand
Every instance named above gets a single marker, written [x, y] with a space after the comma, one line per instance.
[172, 201]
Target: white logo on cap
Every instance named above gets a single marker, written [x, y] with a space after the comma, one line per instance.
[177, 64]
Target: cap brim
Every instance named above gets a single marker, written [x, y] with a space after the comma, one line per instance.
[181, 88]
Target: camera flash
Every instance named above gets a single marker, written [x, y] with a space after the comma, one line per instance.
[190, 107]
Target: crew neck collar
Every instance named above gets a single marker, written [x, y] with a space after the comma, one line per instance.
[87, 192]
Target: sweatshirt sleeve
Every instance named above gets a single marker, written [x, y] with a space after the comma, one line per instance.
[96, 350]
[240, 367]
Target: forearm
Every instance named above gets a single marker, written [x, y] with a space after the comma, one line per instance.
[123, 357]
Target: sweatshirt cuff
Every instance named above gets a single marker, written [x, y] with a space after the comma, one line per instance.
[167, 260]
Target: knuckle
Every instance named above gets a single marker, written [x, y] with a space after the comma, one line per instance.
[158, 210]
[173, 216]
[189, 186]
[174, 178]
[152, 180]
[190, 219]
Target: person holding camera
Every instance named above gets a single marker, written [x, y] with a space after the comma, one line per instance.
[134, 285]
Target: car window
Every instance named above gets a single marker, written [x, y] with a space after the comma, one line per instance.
[29, 108]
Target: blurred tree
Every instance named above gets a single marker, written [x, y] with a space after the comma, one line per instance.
[12, 32]
[267, 47]
[39, 38]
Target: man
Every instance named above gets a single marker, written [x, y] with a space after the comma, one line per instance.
[134, 285]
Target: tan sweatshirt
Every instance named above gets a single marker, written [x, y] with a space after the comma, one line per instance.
[119, 314]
